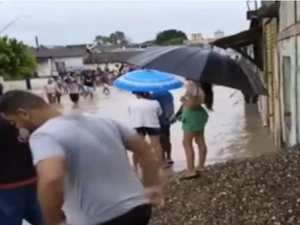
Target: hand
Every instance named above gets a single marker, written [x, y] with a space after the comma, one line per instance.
[173, 120]
[155, 195]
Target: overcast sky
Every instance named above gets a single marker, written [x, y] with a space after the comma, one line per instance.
[67, 22]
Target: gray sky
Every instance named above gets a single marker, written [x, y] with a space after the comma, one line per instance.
[67, 22]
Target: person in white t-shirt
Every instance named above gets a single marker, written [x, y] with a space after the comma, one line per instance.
[144, 118]
[50, 89]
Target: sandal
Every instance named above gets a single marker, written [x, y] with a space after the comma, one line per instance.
[189, 177]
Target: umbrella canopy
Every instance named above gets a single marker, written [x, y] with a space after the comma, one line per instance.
[200, 64]
[147, 81]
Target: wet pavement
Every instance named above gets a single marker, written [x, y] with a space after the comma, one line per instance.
[234, 130]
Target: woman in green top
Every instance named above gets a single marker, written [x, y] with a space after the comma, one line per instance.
[194, 118]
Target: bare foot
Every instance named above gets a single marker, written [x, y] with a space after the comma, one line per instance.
[189, 175]
[200, 169]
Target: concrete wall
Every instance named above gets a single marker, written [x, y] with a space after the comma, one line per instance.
[287, 52]
[287, 15]
[47, 67]
[37, 84]
[44, 67]
[69, 62]
[288, 58]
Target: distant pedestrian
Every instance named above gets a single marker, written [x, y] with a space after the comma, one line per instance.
[50, 89]
[82, 164]
[105, 80]
[89, 84]
[59, 90]
[74, 88]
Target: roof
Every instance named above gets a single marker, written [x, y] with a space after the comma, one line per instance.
[238, 40]
[61, 52]
[116, 56]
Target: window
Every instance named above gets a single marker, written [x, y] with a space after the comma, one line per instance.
[287, 76]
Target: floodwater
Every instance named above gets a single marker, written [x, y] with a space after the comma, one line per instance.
[233, 131]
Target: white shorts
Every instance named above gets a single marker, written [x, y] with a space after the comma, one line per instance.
[89, 89]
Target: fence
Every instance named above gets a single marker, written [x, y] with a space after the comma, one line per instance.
[36, 84]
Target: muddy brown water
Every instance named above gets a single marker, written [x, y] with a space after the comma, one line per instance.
[233, 131]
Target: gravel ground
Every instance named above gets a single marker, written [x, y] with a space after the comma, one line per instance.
[261, 191]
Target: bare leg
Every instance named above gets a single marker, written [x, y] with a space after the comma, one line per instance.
[189, 153]
[200, 140]
[155, 142]
[135, 161]
[166, 146]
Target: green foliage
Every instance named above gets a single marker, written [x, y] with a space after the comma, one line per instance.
[16, 60]
[170, 37]
[118, 37]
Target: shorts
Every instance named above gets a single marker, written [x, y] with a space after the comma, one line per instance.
[140, 215]
[150, 131]
[74, 97]
[20, 204]
[194, 120]
[89, 89]
[165, 130]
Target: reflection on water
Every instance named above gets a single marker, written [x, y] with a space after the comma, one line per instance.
[233, 131]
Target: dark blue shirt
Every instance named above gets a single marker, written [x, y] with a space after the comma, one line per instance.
[166, 102]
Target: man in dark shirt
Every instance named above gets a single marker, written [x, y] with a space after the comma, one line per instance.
[18, 200]
[89, 84]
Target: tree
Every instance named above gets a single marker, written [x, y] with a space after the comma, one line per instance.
[16, 60]
[102, 40]
[170, 37]
[115, 38]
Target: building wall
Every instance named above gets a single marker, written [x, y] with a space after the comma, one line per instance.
[288, 52]
[47, 67]
[287, 14]
[269, 42]
[44, 67]
[69, 62]
[287, 58]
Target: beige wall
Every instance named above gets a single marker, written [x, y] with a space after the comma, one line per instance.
[287, 15]
[36, 84]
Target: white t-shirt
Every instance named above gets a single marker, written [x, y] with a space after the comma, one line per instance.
[50, 88]
[144, 113]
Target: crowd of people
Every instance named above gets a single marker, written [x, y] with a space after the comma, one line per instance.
[78, 162]
[82, 83]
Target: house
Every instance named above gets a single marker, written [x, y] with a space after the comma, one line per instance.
[258, 46]
[57, 59]
[197, 39]
[108, 59]
[275, 50]
[288, 52]
[51, 61]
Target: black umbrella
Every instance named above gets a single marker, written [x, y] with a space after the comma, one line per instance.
[200, 64]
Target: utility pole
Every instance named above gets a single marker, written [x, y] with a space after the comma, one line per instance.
[12, 22]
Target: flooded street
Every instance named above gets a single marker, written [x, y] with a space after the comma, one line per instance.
[234, 130]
